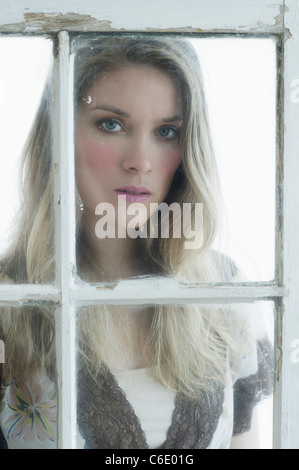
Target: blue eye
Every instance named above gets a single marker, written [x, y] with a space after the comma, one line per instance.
[109, 125]
[168, 132]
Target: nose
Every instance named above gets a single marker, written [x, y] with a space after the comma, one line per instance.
[138, 155]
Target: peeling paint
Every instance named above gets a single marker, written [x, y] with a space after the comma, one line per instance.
[38, 22]
[109, 286]
[54, 22]
[286, 31]
[279, 19]
[259, 27]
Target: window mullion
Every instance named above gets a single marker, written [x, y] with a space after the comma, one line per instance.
[18, 294]
[64, 202]
[159, 290]
[287, 405]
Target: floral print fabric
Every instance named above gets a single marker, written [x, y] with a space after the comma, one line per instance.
[28, 418]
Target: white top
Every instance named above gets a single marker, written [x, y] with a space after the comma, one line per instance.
[154, 405]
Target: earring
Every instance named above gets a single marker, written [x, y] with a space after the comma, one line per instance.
[79, 203]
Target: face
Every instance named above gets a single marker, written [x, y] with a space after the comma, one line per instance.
[127, 138]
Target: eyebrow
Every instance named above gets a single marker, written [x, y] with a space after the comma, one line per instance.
[112, 109]
[173, 119]
[120, 112]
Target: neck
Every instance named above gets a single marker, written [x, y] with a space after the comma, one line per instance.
[130, 326]
[119, 258]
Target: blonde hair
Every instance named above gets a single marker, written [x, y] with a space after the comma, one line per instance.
[186, 344]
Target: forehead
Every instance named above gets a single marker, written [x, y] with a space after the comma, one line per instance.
[135, 82]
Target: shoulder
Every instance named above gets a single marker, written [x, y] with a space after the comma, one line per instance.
[227, 268]
[4, 277]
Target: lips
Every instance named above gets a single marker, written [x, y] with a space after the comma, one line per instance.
[134, 193]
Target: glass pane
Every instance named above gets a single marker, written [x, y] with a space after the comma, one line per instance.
[28, 401]
[149, 197]
[240, 83]
[25, 148]
[156, 376]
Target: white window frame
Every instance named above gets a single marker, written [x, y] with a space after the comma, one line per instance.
[255, 17]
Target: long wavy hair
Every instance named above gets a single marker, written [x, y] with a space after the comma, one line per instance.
[185, 345]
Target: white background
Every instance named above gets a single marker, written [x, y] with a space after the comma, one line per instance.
[240, 80]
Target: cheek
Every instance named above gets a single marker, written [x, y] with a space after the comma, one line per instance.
[171, 162]
[95, 156]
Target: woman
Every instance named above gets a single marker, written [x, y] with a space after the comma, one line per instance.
[148, 377]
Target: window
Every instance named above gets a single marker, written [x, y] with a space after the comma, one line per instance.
[274, 25]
